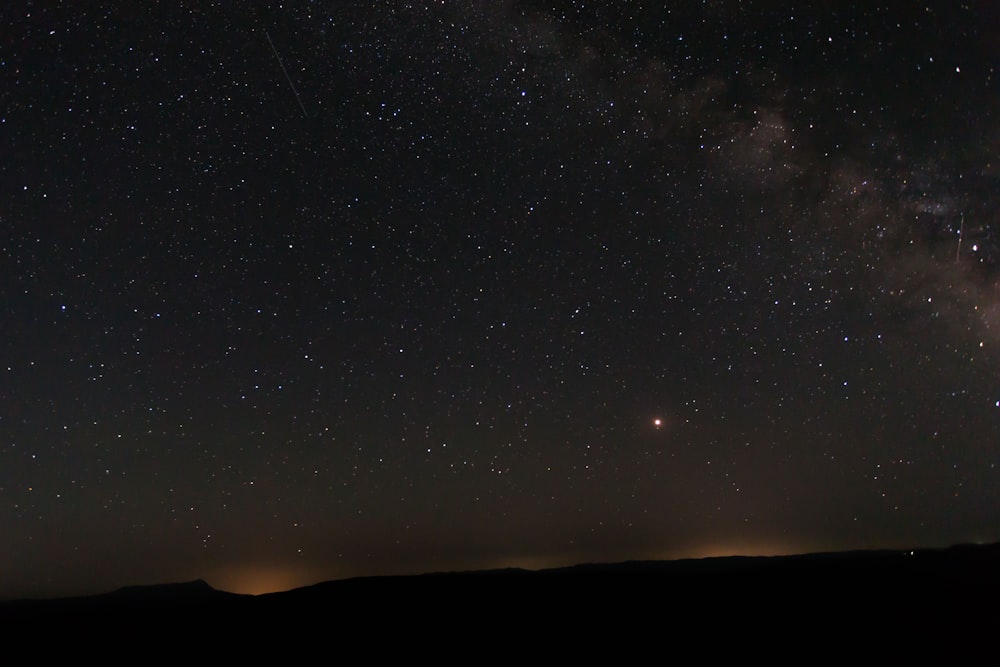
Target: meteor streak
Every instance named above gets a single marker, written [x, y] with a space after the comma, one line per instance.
[287, 78]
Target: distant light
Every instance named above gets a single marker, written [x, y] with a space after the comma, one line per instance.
[657, 422]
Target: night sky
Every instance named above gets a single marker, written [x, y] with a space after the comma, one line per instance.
[309, 290]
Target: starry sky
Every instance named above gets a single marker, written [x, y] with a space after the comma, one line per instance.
[309, 290]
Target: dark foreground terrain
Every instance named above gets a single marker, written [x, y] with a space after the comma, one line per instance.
[823, 602]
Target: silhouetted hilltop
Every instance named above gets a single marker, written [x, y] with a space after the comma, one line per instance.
[197, 590]
[944, 592]
[195, 595]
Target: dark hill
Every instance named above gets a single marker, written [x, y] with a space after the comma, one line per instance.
[949, 593]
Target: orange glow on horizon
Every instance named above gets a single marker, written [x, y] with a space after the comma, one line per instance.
[260, 579]
[273, 578]
[725, 550]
